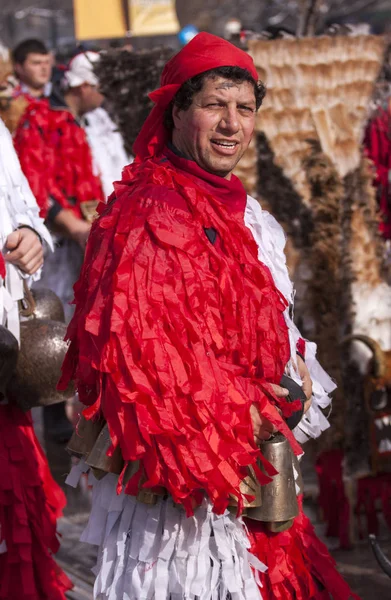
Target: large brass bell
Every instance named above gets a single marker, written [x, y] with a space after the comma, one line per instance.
[41, 354]
[98, 460]
[8, 359]
[42, 351]
[84, 436]
[279, 501]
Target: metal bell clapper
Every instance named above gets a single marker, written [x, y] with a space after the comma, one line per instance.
[98, 460]
[84, 436]
[279, 500]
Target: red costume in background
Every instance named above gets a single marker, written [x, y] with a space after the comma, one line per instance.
[175, 337]
[378, 146]
[55, 157]
[30, 504]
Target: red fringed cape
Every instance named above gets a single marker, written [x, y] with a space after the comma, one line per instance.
[173, 338]
[55, 157]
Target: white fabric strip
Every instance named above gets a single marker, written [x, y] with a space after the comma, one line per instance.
[157, 553]
[270, 239]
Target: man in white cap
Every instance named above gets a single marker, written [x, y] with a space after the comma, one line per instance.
[85, 101]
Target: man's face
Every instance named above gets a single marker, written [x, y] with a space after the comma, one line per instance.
[90, 98]
[36, 70]
[217, 128]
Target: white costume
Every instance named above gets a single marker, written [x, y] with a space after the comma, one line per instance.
[107, 147]
[17, 207]
[106, 144]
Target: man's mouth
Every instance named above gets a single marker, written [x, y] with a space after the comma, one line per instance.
[226, 147]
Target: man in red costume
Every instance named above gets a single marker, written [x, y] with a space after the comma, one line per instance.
[179, 341]
[55, 157]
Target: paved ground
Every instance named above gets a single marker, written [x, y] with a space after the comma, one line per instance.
[358, 565]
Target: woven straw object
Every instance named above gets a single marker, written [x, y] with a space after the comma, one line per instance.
[306, 166]
[318, 89]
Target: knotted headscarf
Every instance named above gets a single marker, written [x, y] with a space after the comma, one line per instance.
[204, 52]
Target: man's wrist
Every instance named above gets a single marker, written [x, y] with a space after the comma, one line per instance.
[23, 226]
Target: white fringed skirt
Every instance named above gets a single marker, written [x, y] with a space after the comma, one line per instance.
[157, 553]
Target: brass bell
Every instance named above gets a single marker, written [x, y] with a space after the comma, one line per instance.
[8, 358]
[84, 436]
[279, 500]
[98, 460]
[41, 354]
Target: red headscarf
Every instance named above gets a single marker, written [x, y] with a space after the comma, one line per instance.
[204, 52]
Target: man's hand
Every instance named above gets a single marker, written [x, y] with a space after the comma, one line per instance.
[263, 429]
[307, 382]
[25, 250]
[70, 225]
[80, 232]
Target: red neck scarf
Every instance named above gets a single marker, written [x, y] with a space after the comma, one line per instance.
[203, 53]
[229, 191]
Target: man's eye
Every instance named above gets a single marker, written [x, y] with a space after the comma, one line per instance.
[213, 104]
[246, 109]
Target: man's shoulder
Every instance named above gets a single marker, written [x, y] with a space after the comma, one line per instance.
[153, 182]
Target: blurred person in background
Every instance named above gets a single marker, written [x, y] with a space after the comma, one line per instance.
[33, 67]
[378, 146]
[55, 157]
[83, 98]
[377, 142]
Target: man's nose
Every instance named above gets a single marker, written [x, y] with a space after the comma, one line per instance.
[230, 119]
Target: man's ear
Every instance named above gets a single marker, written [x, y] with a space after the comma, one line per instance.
[177, 116]
[18, 69]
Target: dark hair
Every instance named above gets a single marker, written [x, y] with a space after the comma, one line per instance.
[22, 50]
[185, 94]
